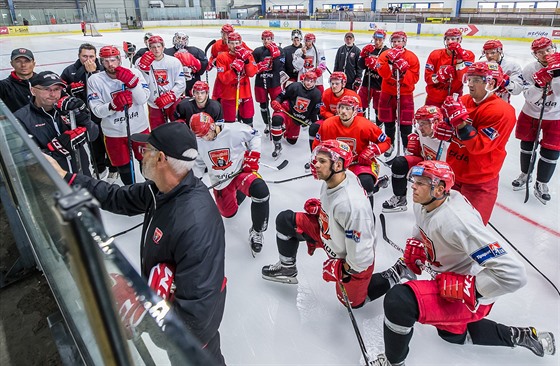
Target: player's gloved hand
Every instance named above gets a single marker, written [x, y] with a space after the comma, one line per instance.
[370, 62]
[238, 66]
[121, 100]
[357, 84]
[77, 88]
[458, 287]
[444, 74]
[414, 254]
[68, 141]
[402, 65]
[263, 66]
[318, 72]
[455, 110]
[130, 309]
[188, 60]
[394, 54]
[129, 79]
[542, 77]
[413, 146]
[165, 100]
[367, 156]
[553, 64]
[211, 64]
[146, 61]
[67, 104]
[251, 161]
[505, 82]
[443, 131]
[276, 106]
[368, 48]
[312, 206]
[242, 53]
[273, 49]
[459, 51]
[129, 49]
[311, 246]
[332, 270]
[161, 280]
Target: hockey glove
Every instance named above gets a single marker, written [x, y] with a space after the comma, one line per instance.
[458, 287]
[443, 131]
[368, 48]
[357, 84]
[211, 64]
[553, 62]
[332, 270]
[251, 161]
[505, 82]
[445, 74]
[413, 146]
[318, 71]
[242, 53]
[67, 104]
[68, 141]
[370, 62]
[165, 100]
[312, 206]
[276, 106]
[402, 65]
[121, 100]
[394, 54]
[414, 254]
[273, 49]
[126, 76]
[130, 309]
[455, 110]
[77, 88]
[263, 66]
[188, 60]
[367, 156]
[542, 77]
[460, 53]
[146, 61]
[161, 280]
[238, 66]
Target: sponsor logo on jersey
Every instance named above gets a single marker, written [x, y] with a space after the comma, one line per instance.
[324, 224]
[353, 234]
[220, 158]
[301, 104]
[161, 77]
[491, 132]
[493, 250]
[348, 141]
[158, 234]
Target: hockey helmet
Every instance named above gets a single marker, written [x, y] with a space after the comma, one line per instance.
[180, 40]
[350, 101]
[492, 44]
[156, 39]
[335, 150]
[338, 75]
[540, 43]
[296, 33]
[379, 33]
[267, 34]
[147, 35]
[309, 37]
[453, 33]
[428, 113]
[309, 75]
[399, 35]
[201, 86]
[227, 29]
[436, 171]
[486, 70]
[201, 123]
[109, 51]
[234, 36]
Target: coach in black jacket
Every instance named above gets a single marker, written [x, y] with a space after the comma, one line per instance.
[346, 60]
[14, 90]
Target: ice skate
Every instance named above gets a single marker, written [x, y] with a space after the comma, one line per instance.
[383, 181]
[398, 272]
[541, 192]
[277, 150]
[256, 239]
[280, 273]
[395, 204]
[112, 177]
[389, 152]
[519, 183]
[539, 343]
[382, 360]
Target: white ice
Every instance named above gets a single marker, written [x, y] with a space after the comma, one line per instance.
[268, 323]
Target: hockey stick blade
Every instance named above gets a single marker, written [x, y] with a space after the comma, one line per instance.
[210, 44]
[288, 180]
[279, 167]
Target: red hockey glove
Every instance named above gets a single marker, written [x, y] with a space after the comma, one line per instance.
[332, 270]
[263, 65]
[211, 64]
[402, 65]
[368, 48]
[68, 141]
[67, 104]
[276, 106]
[311, 246]
[251, 161]
[357, 84]
[273, 49]
[370, 62]
[146, 61]
[505, 82]
[367, 156]
[542, 77]
[312, 206]
[460, 53]
[553, 64]
[414, 253]
[242, 53]
[238, 66]
[444, 74]
[165, 100]
[161, 280]
[443, 131]
[394, 54]
[458, 287]
[455, 110]
[188, 60]
[121, 100]
[126, 76]
[413, 146]
[77, 87]
[130, 309]
[318, 72]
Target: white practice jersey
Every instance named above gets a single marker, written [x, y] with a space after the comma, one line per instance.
[165, 75]
[314, 58]
[533, 95]
[430, 147]
[516, 81]
[100, 94]
[346, 223]
[457, 241]
[224, 155]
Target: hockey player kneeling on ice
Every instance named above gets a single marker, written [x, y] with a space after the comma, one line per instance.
[341, 223]
[231, 152]
[474, 270]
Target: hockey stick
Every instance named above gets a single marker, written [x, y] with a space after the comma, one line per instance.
[127, 230]
[289, 179]
[159, 93]
[75, 150]
[397, 121]
[90, 144]
[145, 355]
[226, 179]
[296, 119]
[522, 256]
[210, 44]
[455, 96]
[535, 144]
[237, 95]
[279, 167]
[129, 141]
[367, 358]
[424, 267]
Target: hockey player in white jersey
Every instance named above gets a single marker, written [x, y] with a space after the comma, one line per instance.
[513, 82]
[310, 58]
[541, 74]
[231, 152]
[474, 270]
[110, 94]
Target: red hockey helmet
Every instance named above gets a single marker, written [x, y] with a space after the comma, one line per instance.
[227, 29]
[309, 37]
[350, 101]
[234, 36]
[155, 39]
[437, 171]
[201, 123]
[109, 51]
[267, 34]
[540, 43]
[335, 150]
[310, 75]
[492, 44]
[453, 33]
[338, 75]
[487, 70]
[379, 33]
[201, 86]
[399, 35]
[428, 113]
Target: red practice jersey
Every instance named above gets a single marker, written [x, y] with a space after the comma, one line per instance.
[330, 101]
[408, 80]
[228, 77]
[436, 60]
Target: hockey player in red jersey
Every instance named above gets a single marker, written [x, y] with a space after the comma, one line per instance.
[334, 94]
[445, 68]
[479, 127]
[192, 58]
[541, 74]
[400, 70]
[473, 271]
[310, 58]
[513, 83]
[234, 68]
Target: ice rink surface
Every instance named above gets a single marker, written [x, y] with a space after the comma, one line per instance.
[268, 323]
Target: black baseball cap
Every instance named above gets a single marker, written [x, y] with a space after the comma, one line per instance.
[22, 52]
[349, 35]
[46, 78]
[173, 139]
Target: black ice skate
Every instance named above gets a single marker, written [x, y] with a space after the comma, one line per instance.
[542, 192]
[519, 183]
[280, 273]
[398, 272]
[539, 343]
[277, 150]
[256, 240]
[395, 204]
[382, 360]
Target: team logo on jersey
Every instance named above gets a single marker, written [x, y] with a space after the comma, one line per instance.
[93, 96]
[324, 224]
[430, 250]
[301, 104]
[221, 159]
[158, 234]
[348, 141]
[493, 250]
[429, 153]
[161, 77]
[308, 63]
[353, 234]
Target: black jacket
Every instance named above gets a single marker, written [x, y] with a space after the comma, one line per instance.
[346, 60]
[76, 73]
[273, 75]
[187, 107]
[191, 78]
[182, 227]
[288, 59]
[15, 92]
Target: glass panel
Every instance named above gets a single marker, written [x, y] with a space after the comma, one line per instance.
[547, 5]
[525, 5]
[486, 5]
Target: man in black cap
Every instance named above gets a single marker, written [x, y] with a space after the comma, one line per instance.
[47, 119]
[14, 90]
[184, 236]
[346, 60]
